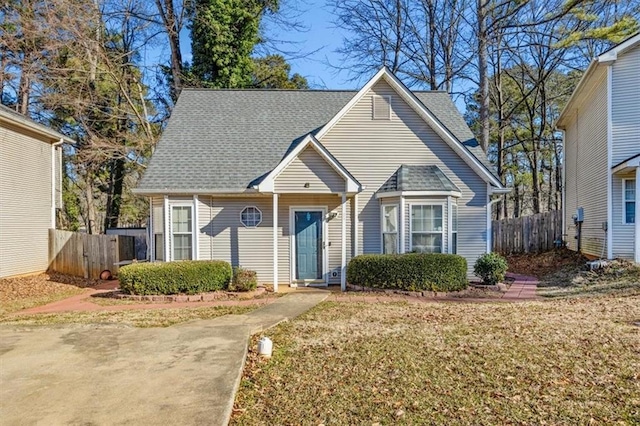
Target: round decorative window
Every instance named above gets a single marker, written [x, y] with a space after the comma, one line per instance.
[251, 217]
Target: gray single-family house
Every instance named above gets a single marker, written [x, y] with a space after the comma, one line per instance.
[30, 192]
[601, 125]
[293, 183]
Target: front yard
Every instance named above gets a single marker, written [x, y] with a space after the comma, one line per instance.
[571, 361]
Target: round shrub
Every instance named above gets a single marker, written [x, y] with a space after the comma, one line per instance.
[491, 268]
[184, 277]
[412, 271]
[243, 280]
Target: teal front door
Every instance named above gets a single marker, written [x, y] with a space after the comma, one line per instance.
[308, 233]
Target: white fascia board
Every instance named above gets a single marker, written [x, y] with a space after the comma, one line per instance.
[497, 191]
[611, 55]
[268, 183]
[456, 194]
[576, 92]
[424, 113]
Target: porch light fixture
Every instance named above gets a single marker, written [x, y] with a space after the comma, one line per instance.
[306, 185]
[331, 215]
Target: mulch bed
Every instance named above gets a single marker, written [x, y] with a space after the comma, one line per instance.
[33, 286]
[542, 264]
[203, 297]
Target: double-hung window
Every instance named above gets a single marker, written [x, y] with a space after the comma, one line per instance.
[629, 196]
[182, 232]
[426, 228]
[390, 222]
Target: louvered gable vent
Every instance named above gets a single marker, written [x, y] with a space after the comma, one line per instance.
[381, 107]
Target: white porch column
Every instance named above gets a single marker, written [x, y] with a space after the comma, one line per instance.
[343, 245]
[150, 234]
[401, 227]
[354, 243]
[275, 242]
[449, 225]
[637, 248]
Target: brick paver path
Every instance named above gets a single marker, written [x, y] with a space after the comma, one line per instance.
[522, 289]
[82, 303]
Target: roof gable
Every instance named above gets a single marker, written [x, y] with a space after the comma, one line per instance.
[412, 100]
[268, 183]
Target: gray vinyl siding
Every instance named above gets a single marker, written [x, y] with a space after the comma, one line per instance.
[372, 150]
[309, 168]
[586, 169]
[623, 234]
[625, 101]
[25, 202]
[223, 237]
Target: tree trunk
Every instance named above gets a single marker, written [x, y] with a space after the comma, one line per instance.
[114, 195]
[91, 206]
[173, 33]
[483, 72]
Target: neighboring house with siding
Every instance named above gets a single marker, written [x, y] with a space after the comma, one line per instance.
[601, 125]
[30, 192]
[292, 184]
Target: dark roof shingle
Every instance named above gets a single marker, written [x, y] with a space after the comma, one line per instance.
[226, 140]
[418, 178]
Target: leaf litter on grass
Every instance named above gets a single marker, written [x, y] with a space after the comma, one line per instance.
[565, 361]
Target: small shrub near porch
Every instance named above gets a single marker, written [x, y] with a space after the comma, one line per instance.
[412, 271]
[185, 277]
[243, 280]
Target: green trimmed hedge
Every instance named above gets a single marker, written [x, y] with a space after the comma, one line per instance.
[412, 271]
[184, 277]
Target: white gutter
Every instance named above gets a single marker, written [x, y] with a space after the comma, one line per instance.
[53, 181]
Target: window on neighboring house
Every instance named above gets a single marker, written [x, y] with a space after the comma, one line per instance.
[426, 228]
[454, 228]
[629, 196]
[251, 217]
[182, 232]
[390, 228]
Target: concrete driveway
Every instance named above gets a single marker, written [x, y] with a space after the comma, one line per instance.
[105, 374]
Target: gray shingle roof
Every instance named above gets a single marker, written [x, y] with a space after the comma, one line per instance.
[228, 140]
[418, 178]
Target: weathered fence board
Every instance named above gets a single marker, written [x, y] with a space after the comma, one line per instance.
[85, 255]
[527, 234]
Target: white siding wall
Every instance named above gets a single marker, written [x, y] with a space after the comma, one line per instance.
[25, 202]
[309, 167]
[623, 234]
[625, 103]
[372, 150]
[586, 169]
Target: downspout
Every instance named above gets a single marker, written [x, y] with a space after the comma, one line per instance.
[609, 227]
[53, 181]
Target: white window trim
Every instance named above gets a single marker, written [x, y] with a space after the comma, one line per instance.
[426, 203]
[382, 232]
[247, 226]
[324, 281]
[193, 227]
[624, 201]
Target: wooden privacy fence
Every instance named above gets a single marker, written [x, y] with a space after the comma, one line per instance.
[527, 234]
[85, 255]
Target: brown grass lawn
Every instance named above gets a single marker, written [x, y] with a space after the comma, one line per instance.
[569, 361]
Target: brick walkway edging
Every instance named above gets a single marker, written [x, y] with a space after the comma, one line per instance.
[202, 297]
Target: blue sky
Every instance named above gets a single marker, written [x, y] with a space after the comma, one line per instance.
[316, 46]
